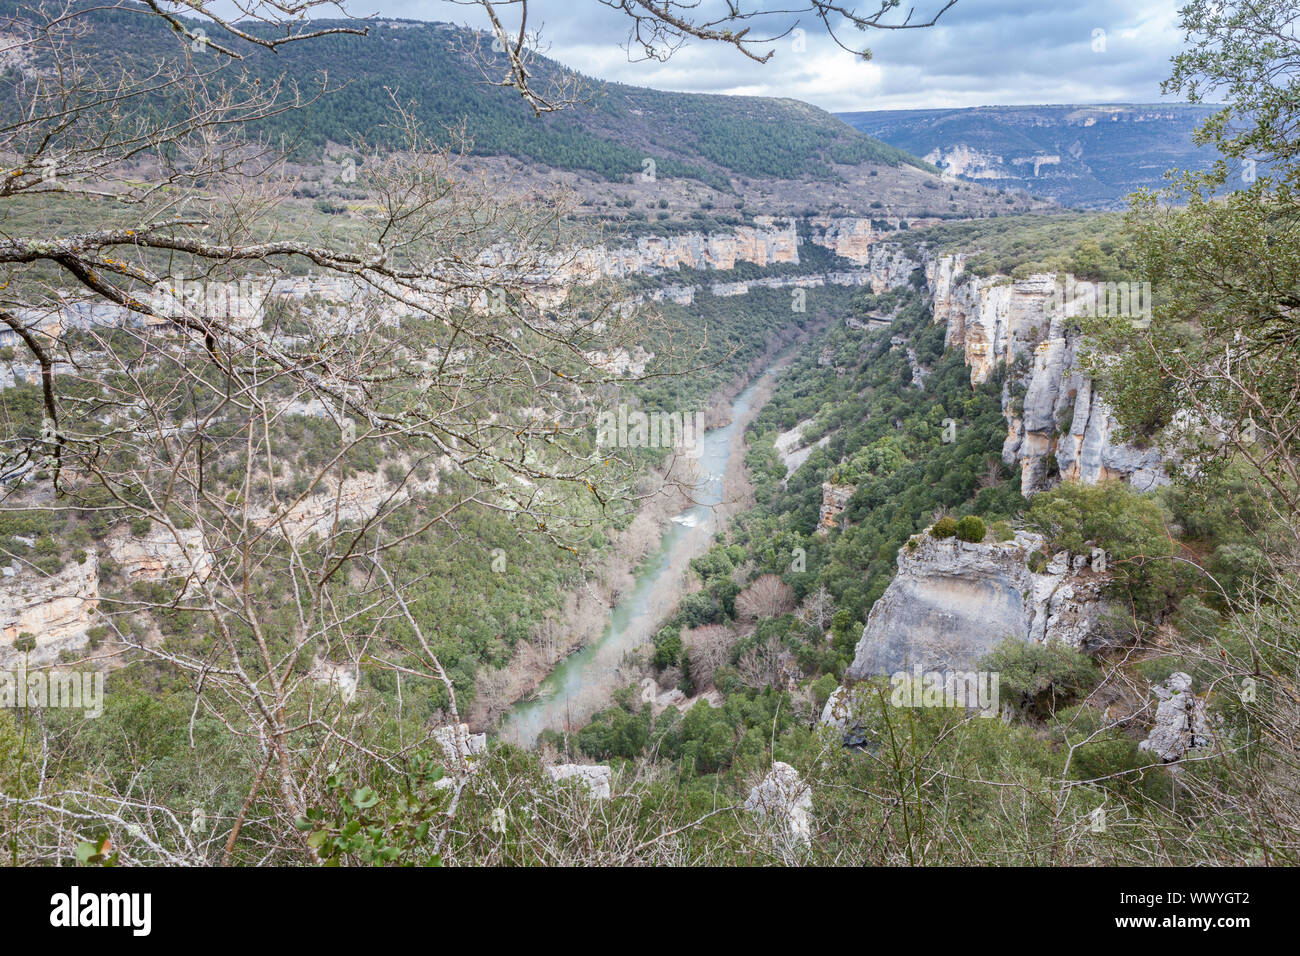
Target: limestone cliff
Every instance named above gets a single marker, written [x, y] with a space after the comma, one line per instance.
[767, 242]
[853, 239]
[357, 498]
[1058, 427]
[159, 554]
[57, 610]
[953, 601]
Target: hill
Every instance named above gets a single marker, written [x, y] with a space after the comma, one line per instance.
[777, 156]
[441, 68]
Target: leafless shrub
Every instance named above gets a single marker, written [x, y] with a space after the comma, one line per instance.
[707, 649]
[766, 596]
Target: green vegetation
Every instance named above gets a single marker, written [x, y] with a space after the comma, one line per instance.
[1041, 678]
[971, 528]
[1090, 246]
[945, 527]
[433, 67]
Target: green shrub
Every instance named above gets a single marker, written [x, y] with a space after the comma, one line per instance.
[615, 732]
[1037, 678]
[945, 527]
[971, 528]
[668, 647]
[1130, 526]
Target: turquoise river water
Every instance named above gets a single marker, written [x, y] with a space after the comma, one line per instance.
[568, 694]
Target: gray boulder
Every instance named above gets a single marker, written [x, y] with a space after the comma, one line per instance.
[1180, 724]
[783, 798]
[595, 777]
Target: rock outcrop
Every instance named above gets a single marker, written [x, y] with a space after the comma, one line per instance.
[57, 610]
[852, 239]
[768, 242]
[953, 601]
[835, 498]
[783, 798]
[594, 777]
[161, 554]
[1180, 723]
[890, 266]
[459, 745]
[1058, 428]
[842, 714]
[358, 498]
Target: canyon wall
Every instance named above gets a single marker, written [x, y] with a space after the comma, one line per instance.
[768, 242]
[953, 601]
[347, 305]
[56, 610]
[1058, 427]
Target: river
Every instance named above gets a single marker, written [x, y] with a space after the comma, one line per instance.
[566, 697]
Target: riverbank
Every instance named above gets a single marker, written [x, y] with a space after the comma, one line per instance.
[584, 682]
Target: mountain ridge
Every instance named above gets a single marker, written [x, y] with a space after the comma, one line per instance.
[1082, 155]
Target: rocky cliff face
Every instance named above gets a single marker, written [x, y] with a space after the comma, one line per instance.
[853, 239]
[593, 778]
[57, 610]
[767, 242]
[159, 554]
[835, 498]
[953, 601]
[890, 266]
[335, 302]
[357, 498]
[1058, 428]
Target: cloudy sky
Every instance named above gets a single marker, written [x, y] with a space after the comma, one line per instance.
[982, 52]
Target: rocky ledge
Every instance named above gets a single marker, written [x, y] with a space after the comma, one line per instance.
[953, 601]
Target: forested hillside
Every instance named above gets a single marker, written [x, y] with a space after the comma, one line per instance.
[442, 70]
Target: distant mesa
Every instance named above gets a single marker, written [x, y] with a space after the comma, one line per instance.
[1079, 156]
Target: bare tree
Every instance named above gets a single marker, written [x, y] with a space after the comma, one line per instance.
[707, 648]
[659, 28]
[766, 596]
[817, 609]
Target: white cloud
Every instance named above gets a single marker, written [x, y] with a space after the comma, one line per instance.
[983, 52]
